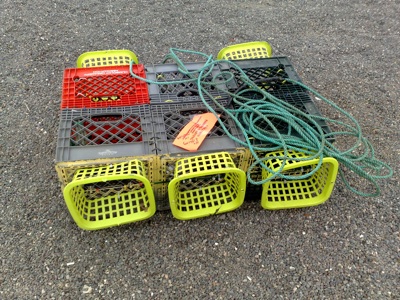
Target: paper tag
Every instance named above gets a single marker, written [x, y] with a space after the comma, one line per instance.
[194, 133]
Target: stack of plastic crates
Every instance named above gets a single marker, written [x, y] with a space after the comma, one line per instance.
[105, 156]
[172, 107]
[117, 162]
[269, 74]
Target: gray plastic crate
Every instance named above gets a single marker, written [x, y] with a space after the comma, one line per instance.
[170, 119]
[105, 133]
[181, 92]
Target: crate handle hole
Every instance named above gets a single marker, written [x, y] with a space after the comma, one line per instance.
[188, 93]
[192, 111]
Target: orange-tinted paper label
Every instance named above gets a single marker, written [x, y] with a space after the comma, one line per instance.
[194, 133]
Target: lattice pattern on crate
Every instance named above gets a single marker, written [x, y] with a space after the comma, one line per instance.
[203, 163]
[206, 184]
[249, 50]
[183, 89]
[107, 129]
[167, 164]
[104, 87]
[175, 121]
[116, 60]
[86, 134]
[106, 58]
[95, 87]
[113, 188]
[254, 52]
[106, 208]
[292, 190]
[271, 79]
[212, 192]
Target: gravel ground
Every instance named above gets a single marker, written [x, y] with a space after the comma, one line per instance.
[347, 248]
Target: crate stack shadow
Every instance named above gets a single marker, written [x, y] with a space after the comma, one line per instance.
[115, 157]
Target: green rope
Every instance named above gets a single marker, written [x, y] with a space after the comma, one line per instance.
[310, 139]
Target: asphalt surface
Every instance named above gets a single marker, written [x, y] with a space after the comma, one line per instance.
[347, 248]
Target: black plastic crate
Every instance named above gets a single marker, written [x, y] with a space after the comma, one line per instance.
[259, 69]
[269, 74]
[86, 134]
[181, 92]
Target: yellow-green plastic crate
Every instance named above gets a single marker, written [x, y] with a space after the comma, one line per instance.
[248, 50]
[280, 193]
[106, 58]
[206, 185]
[111, 195]
[167, 164]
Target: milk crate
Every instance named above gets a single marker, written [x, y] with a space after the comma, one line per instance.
[182, 92]
[110, 195]
[87, 134]
[167, 165]
[103, 87]
[169, 120]
[269, 74]
[280, 193]
[206, 185]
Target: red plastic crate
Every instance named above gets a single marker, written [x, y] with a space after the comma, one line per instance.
[104, 87]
